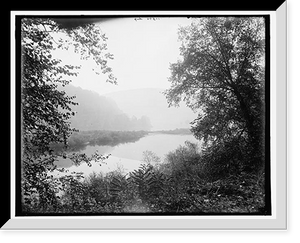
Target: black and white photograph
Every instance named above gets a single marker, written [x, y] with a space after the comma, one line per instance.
[143, 115]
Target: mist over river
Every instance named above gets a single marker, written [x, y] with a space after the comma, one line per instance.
[128, 156]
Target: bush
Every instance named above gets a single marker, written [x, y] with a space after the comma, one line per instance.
[212, 181]
[188, 181]
[224, 159]
[184, 161]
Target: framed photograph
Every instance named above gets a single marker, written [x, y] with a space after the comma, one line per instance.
[172, 120]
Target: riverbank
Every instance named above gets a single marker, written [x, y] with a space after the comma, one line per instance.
[79, 140]
[177, 131]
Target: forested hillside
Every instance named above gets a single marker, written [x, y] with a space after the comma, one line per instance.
[95, 112]
[152, 103]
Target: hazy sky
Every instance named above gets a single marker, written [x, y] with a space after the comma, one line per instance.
[142, 49]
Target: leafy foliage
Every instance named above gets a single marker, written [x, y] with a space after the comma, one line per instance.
[210, 182]
[45, 109]
[43, 122]
[221, 76]
[186, 182]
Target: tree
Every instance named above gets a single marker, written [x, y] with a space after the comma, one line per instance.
[144, 123]
[46, 110]
[221, 75]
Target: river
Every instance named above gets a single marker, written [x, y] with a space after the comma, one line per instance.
[128, 156]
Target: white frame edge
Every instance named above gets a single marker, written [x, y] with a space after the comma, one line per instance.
[278, 109]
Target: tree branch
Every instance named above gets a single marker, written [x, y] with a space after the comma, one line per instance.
[225, 61]
[215, 87]
[220, 66]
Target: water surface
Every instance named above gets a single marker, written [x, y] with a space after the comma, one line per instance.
[129, 156]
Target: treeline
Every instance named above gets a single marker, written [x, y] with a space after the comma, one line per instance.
[80, 139]
[102, 138]
[177, 131]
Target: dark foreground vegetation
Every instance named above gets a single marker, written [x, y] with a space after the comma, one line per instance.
[188, 181]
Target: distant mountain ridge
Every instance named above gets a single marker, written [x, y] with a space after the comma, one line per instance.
[152, 103]
[96, 112]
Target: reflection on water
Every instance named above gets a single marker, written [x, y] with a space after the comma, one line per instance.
[128, 156]
[111, 164]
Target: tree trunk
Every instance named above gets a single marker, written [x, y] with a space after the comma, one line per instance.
[254, 139]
